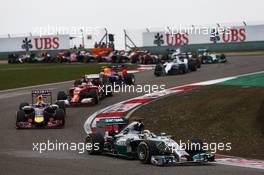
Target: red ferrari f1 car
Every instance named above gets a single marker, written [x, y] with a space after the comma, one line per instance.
[87, 90]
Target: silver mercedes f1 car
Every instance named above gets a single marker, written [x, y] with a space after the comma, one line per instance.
[114, 136]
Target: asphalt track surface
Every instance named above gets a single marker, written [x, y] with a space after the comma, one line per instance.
[17, 157]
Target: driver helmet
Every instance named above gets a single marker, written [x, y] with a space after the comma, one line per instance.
[146, 133]
[139, 127]
[40, 100]
[107, 71]
[103, 68]
[83, 84]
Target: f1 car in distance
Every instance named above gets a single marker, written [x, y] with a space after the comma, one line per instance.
[115, 136]
[180, 64]
[192, 57]
[40, 114]
[117, 74]
[14, 58]
[209, 58]
[87, 90]
[142, 57]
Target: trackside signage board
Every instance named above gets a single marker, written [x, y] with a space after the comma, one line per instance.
[34, 43]
[186, 36]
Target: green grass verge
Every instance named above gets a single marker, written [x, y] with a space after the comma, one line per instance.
[22, 75]
[256, 80]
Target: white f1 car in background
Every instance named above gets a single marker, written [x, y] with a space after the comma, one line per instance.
[180, 64]
[209, 58]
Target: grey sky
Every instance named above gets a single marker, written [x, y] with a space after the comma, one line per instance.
[22, 16]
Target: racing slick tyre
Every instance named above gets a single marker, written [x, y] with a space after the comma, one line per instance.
[130, 79]
[61, 105]
[60, 115]
[23, 105]
[158, 74]
[199, 65]
[20, 116]
[96, 142]
[174, 71]
[61, 96]
[222, 58]
[182, 69]
[56, 60]
[145, 150]
[159, 70]
[93, 94]
[193, 66]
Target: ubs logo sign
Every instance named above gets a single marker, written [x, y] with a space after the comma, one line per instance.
[41, 43]
[232, 35]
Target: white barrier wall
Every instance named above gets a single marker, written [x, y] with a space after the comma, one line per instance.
[186, 36]
[34, 43]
